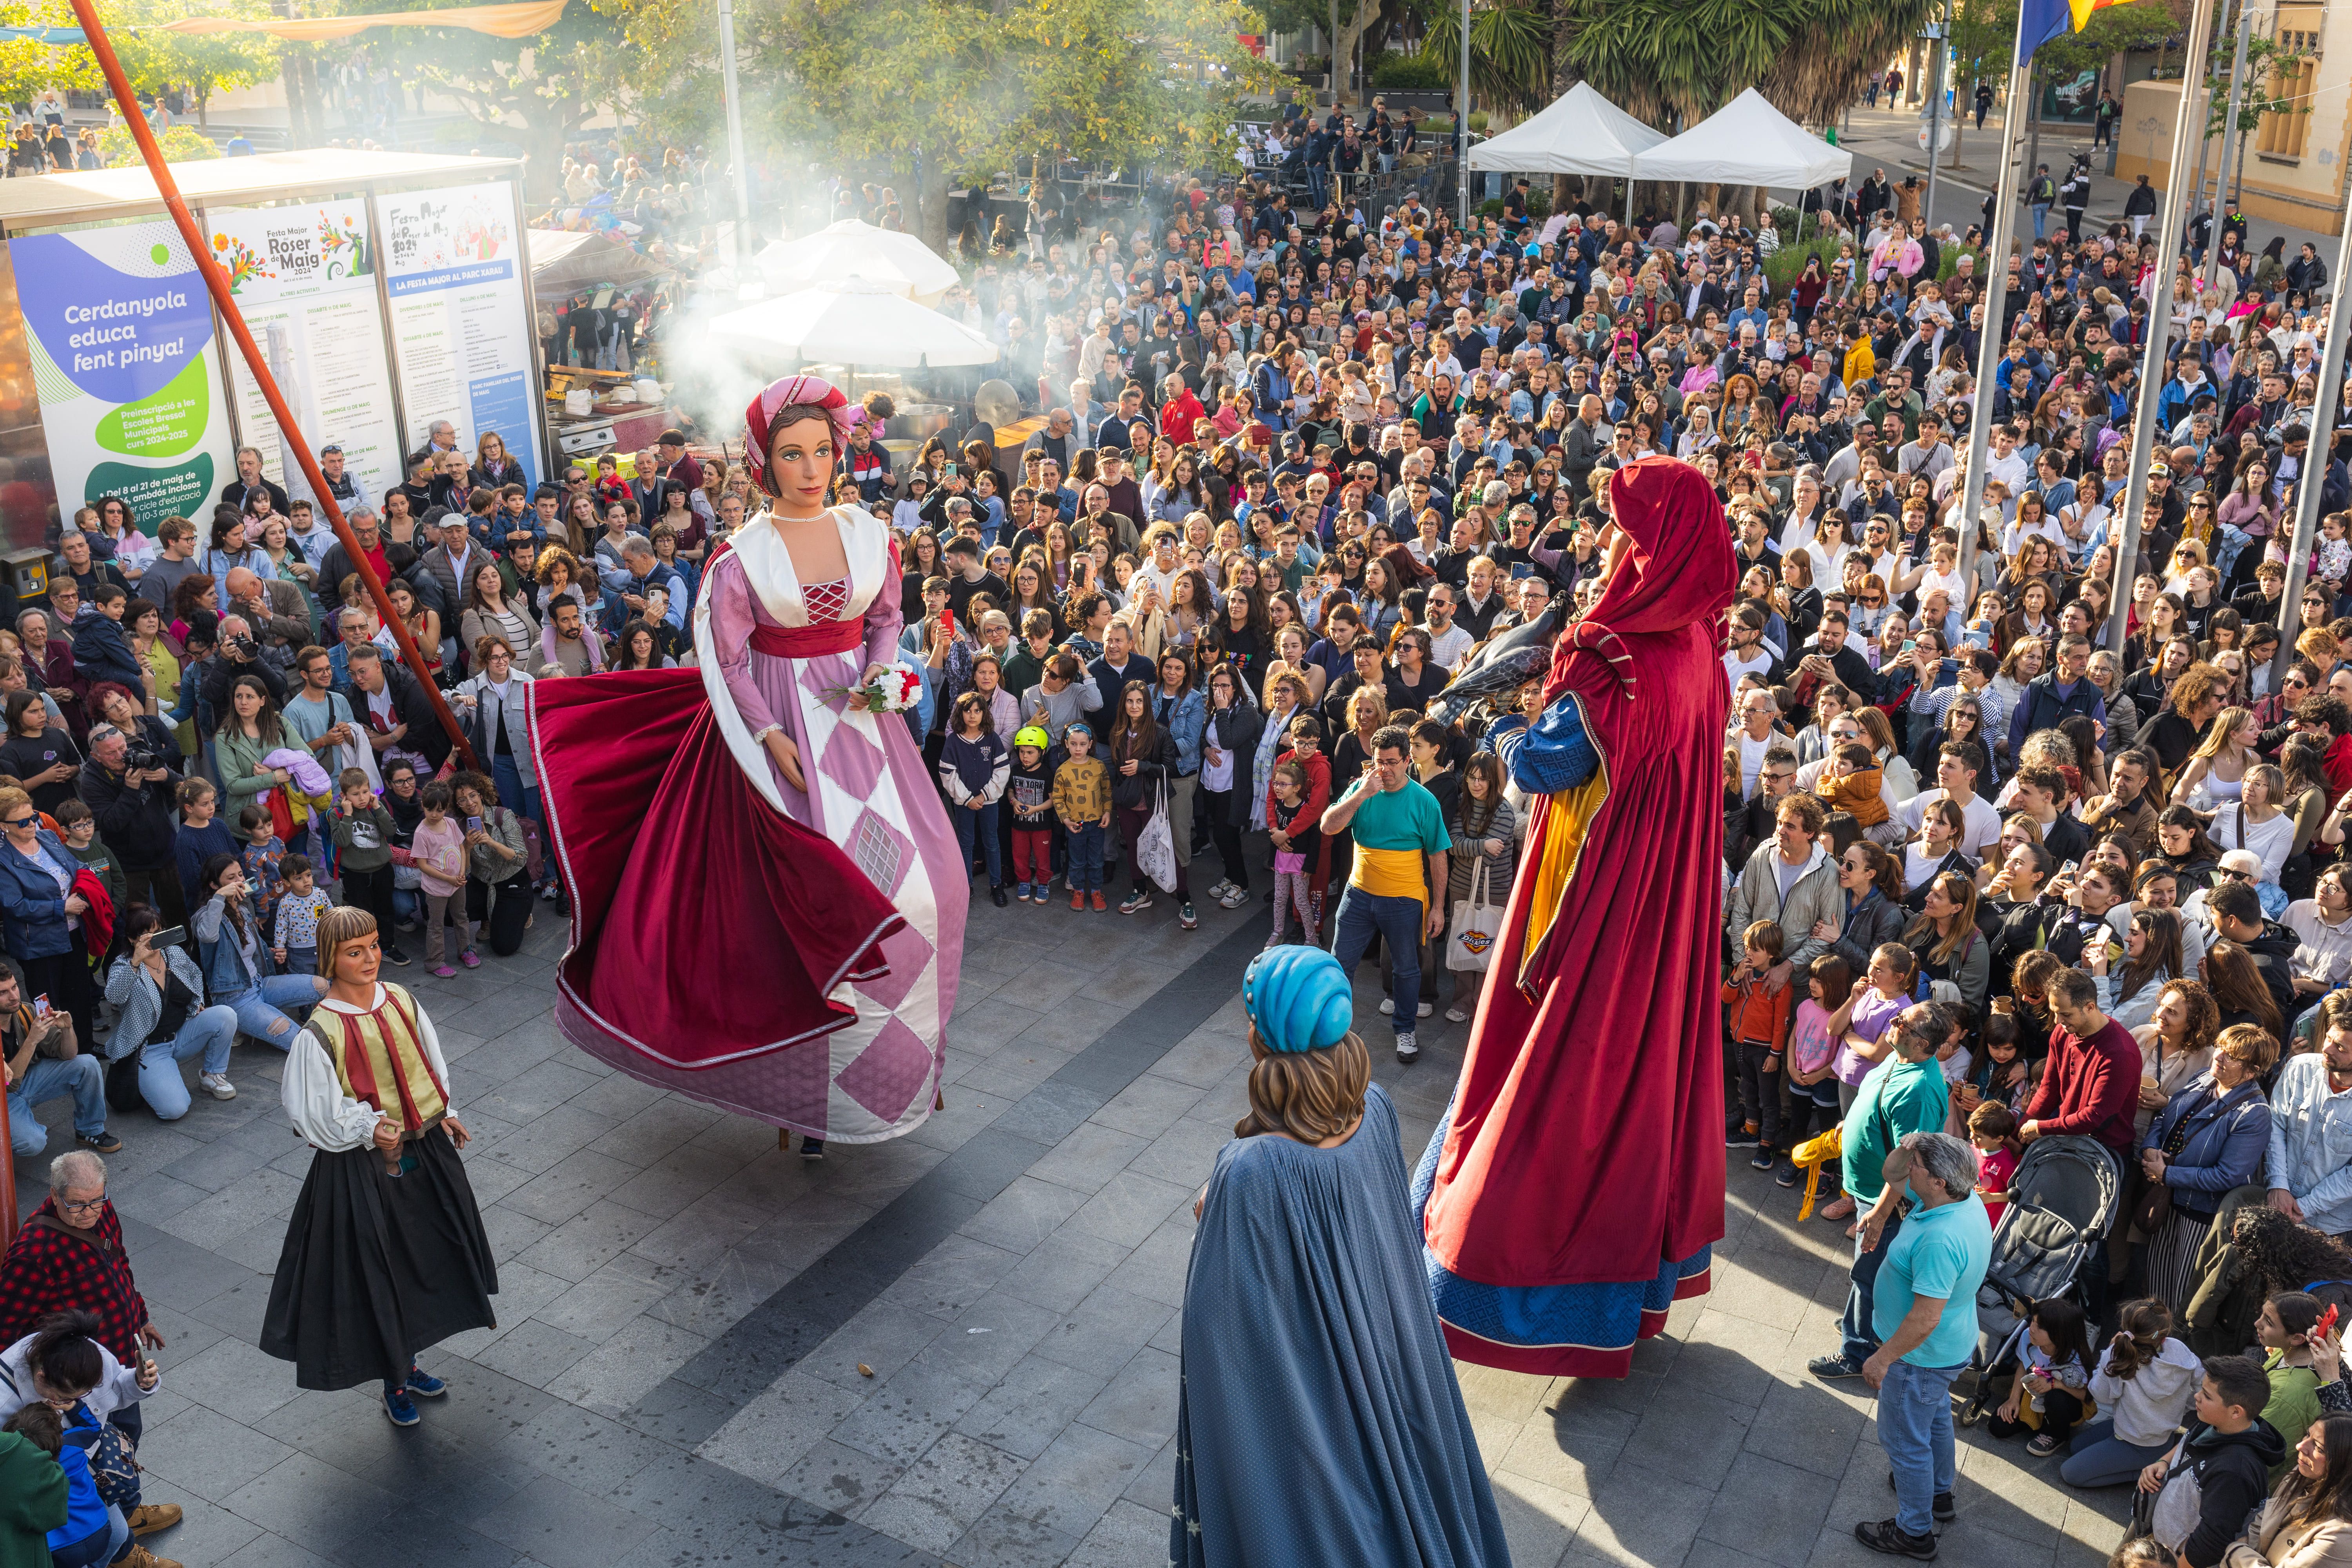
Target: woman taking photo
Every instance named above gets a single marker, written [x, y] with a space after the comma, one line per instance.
[2151, 961]
[1229, 786]
[161, 994]
[2210, 1137]
[41, 919]
[497, 890]
[236, 961]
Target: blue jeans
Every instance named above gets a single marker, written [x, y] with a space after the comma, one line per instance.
[301, 960]
[407, 904]
[1861, 1342]
[1396, 921]
[2041, 217]
[511, 793]
[2096, 1456]
[257, 1006]
[983, 823]
[1086, 851]
[1914, 1427]
[83, 1076]
[209, 1033]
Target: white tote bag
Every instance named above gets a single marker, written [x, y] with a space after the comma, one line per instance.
[1155, 847]
[1477, 926]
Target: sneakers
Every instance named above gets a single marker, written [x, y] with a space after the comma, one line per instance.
[1099, 903]
[100, 1141]
[998, 897]
[423, 1385]
[812, 1148]
[1408, 1049]
[140, 1557]
[1185, 917]
[1388, 1007]
[1077, 898]
[394, 956]
[1891, 1538]
[1456, 1016]
[1425, 1010]
[149, 1518]
[1839, 1207]
[2041, 1446]
[442, 972]
[399, 1409]
[217, 1085]
[1233, 898]
[1765, 1158]
[1942, 1508]
[470, 959]
[1741, 1136]
[1038, 896]
[1832, 1368]
[1225, 885]
[1021, 893]
[1789, 1177]
[1139, 900]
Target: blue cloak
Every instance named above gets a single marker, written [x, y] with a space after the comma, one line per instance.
[1318, 1420]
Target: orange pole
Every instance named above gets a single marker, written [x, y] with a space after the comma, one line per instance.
[216, 283]
[7, 1179]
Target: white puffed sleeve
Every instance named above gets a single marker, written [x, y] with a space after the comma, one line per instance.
[314, 1097]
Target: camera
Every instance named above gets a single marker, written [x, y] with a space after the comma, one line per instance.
[245, 645]
[138, 758]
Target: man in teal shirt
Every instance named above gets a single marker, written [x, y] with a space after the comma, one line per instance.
[1924, 1312]
[1905, 1093]
[1401, 845]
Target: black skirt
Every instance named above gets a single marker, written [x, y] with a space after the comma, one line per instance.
[376, 1268]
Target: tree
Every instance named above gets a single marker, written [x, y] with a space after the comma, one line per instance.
[537, 91]
[1674, 62]
[1510, 52]
[205, 63]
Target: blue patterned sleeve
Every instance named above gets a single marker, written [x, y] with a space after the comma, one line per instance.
[1554, 754]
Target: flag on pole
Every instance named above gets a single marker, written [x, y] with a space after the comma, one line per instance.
[2039, 21]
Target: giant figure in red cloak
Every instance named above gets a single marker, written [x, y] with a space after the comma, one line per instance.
[1575, 1187]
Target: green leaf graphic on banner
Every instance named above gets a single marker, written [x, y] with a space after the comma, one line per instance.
[154, 494]
[166, 422]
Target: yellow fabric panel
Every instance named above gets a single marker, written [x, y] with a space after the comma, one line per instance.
[1565, 826]
[1392, 873]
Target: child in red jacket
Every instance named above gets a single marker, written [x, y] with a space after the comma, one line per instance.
[1757, 1018]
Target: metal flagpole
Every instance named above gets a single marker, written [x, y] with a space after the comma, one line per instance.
[1990, 344]
[1936, 69]
[1462, 120]
[2316, 455]
[734, 96]
[2172, 221]
[2229, 128]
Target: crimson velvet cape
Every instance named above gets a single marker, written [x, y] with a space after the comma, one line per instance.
[1575, 1187]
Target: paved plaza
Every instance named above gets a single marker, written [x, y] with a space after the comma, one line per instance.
[688, 1318]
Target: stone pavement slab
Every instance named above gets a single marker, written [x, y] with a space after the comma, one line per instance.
[675, 1375]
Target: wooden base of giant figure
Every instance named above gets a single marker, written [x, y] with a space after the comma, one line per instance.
[1575, 1187]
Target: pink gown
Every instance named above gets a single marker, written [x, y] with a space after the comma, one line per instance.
[720, 949]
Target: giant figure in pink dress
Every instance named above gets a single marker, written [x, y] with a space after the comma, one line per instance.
[767, 908]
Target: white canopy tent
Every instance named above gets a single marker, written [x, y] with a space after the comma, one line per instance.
[854, 248]
[1745, 143]
[1580, 132]
[853, 321]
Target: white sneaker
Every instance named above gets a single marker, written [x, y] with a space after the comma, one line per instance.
[217, 1085]
[1425, 1009]
[1408, 1049]
[1225, 885]
[1388, 1007]
[1456, 1016]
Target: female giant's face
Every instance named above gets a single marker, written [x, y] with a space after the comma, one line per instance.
[801, 460]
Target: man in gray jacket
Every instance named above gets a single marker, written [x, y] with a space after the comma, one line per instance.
[1792, 882]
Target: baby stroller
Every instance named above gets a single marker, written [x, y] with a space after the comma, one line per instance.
[2064, 1198]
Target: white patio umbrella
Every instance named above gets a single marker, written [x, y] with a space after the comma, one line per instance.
[852, 321]
[854, 248]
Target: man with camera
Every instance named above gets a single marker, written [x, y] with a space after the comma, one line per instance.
[129, 789]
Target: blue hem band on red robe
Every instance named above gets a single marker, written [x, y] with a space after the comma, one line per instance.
[1596, 1316]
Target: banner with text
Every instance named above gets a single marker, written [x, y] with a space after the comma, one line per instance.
[120, 333]
[461, 328]
[311, 267]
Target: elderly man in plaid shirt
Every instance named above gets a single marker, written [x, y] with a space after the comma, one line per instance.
[68, 1257]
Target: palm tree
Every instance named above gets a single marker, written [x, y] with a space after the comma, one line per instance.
[1510, 51]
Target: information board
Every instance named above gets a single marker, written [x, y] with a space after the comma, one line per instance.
[461, 327]
[119, 330]
[311, 266]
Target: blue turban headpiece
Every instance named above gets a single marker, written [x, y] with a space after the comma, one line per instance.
[1298, 998]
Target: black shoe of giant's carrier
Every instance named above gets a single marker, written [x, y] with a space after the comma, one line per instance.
[1895, 1540]
[1942, 1508]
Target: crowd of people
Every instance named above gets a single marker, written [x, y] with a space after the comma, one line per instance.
[1303, 478]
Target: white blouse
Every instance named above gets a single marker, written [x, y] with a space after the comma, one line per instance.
[314, 1097]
